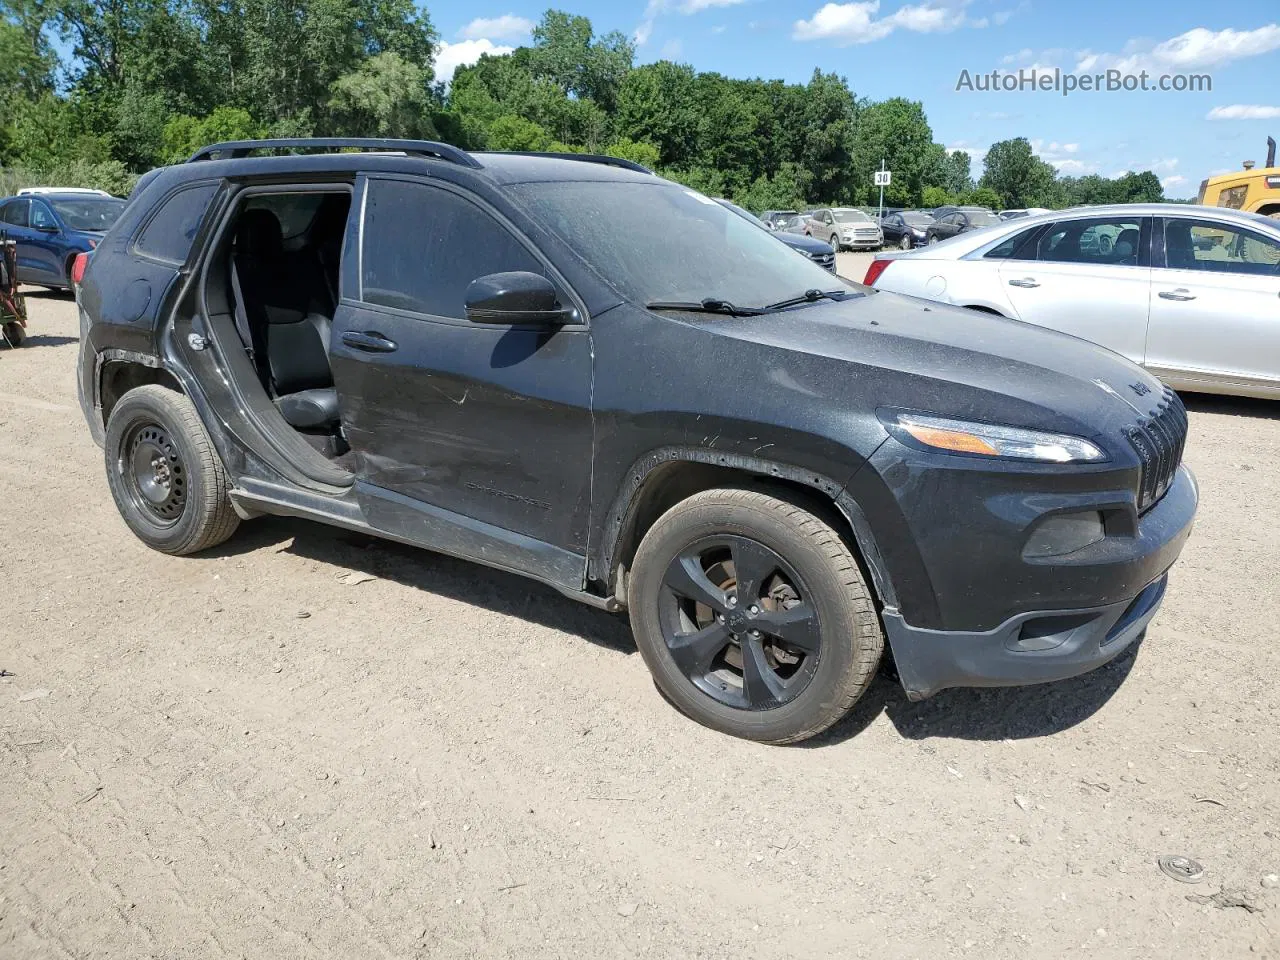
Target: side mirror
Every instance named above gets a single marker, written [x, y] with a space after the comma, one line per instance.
[517, 297]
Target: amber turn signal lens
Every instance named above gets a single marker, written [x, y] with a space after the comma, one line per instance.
[950, 440]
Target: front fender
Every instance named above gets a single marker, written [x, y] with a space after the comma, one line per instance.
[626, 500]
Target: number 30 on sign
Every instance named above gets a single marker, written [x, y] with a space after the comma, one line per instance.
[882, 178]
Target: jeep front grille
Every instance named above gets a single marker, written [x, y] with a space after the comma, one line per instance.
[1159, 442]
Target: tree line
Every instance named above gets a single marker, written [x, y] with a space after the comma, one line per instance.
[93, 92]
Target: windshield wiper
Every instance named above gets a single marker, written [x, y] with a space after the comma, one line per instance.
[709, 305]
[809, 296]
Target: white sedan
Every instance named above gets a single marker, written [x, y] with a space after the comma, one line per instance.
[1191, 293]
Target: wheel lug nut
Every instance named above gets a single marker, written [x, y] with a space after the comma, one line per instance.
[753, 609]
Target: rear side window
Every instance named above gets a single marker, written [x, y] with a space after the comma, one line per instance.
[1008, 248]
[423, 246]
[1110, 241]
[15, 213]
[169, 232]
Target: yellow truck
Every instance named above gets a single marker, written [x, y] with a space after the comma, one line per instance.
[1250, 189]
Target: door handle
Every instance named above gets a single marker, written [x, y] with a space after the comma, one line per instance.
[1181, 294]
[370, 342]
[1026, 283]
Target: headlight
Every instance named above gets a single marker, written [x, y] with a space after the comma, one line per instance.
[917, 232]
[991, 440]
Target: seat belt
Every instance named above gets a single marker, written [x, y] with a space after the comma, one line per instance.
[252, 346]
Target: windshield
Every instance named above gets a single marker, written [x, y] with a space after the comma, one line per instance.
[657, 241]
[745, 214]
[91, 213]
[851, 216]
[980, 218]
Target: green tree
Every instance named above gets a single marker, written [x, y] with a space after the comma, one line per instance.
[984, 197]
[656, 104]
[184, 135]
[958, 172]
[897, 132]
[1017, 175]
[935, 197]
[567, 53]
[516, 133]
[645, 154]
[386, 96]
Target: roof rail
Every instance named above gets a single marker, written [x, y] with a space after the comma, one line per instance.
[236, 149]
[581, 157]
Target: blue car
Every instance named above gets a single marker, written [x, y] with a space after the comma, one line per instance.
[50, 228]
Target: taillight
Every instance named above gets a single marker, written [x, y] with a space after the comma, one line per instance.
[77, 267]
[876, 268]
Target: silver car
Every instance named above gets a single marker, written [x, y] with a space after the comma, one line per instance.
[1191, 293]
[845, 228]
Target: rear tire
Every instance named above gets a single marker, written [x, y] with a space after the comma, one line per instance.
[805, 628]
[15, 333]
[165, 476]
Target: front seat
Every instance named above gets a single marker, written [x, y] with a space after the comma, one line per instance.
[280, 306]
[1180, 251]
[1125, 250]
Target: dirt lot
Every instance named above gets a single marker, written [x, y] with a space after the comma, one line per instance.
[308, 745]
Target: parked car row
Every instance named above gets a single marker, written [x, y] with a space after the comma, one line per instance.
[823, 254]
[51, 225]
[1190, 293]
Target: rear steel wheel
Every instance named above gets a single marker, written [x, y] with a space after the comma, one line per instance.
[152, 470]
[164, 473]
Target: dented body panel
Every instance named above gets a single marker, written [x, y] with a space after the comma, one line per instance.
[538, 450]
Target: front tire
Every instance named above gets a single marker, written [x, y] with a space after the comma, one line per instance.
[15, 333]
[165, 476]
[905, 242]
[752, 616]
[932, 239]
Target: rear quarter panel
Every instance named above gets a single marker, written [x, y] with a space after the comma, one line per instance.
[963, 283]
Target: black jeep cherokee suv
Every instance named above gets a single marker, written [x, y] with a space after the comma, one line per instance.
[572, 369]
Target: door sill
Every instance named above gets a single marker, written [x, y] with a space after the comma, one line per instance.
[417, 524]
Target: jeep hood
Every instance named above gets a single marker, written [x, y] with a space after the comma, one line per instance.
[900, 352]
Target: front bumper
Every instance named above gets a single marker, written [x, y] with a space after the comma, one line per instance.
[1117, 586]
[863, 243]
[1029, 648]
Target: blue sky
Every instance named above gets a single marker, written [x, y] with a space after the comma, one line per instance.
[918, 49]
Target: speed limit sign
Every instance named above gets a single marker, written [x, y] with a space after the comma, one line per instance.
[882, 178]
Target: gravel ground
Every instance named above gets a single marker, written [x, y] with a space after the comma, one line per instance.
[305, 744]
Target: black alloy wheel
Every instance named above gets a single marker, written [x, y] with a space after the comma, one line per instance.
[737, 621]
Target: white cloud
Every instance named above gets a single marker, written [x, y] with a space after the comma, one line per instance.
[451, 56]
[656, 8]
[506, 27]
[850, 23]
[1069, 166]
[1043, 61]
[1174, 181]
[693, 6]
[1240, 111]
[671, 50]
[976, 154]
[1196, 48]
